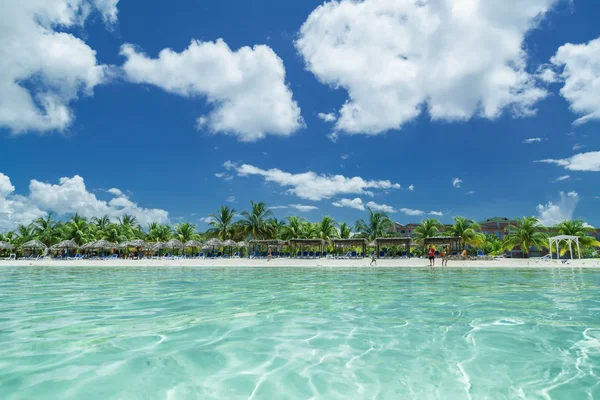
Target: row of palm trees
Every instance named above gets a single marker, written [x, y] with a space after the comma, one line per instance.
[259, 223]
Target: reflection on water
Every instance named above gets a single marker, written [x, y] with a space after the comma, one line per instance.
[298, 333]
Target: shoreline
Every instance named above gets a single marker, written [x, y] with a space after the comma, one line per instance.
[300, 263]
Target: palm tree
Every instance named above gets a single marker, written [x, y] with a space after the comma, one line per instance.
[294, 229]
[254, 222]
[44, 229]
[492, 245]
[378, 225]
[76, 229]
[275, 227]
[578, 228]
[185, 232]
[158, 232]
[113, 233]
[345, 231]
[101, 222]
[222, 223]
[10, 237]
[129, 220]
[326, 229]
[466, 229]
[526, 233]
[429, 227]
[23, 234]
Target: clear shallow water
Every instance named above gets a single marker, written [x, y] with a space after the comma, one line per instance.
[277, 333]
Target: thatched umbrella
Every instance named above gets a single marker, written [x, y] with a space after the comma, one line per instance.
[192, 244]
[88, 245]
[34, 245]
[158, 246]
[137, 243]
[212, 243]
[231, 244]
[65, 245]
[6, 246]
[103, 244]
[174, 244]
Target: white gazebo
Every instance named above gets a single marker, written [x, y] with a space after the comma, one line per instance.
[569, 240]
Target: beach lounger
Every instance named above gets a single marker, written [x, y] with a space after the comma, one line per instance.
[480, 253]
[236, 255]
[12, 257]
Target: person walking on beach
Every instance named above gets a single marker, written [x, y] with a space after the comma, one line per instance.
[373, 259]
[269, 254]
[431, 254]
[444, 255]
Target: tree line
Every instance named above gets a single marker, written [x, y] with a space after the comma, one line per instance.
[258, 222]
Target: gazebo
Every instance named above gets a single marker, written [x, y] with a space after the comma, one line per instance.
[344, 243]
[452, 242]
[277, 243]
[569, 241]
[393, 241]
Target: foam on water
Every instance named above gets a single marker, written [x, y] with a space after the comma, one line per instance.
[265, 333]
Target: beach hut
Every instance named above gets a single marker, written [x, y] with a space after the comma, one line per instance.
[452, 243]
[34, 245]
[300, 246]
[393, 241]
[264, 244]
[342, 244]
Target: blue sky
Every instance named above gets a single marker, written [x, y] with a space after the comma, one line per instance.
[417, 95]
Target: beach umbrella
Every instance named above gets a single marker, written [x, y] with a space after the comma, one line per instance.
[6, 246]
[229, 243]
[34, 244]
[158, 246]
[242, 244]
[66, 244]
[87, 245]
[103, 244]
[174, 244]
[192, 243]
[212, 243]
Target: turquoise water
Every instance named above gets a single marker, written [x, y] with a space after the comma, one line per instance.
[279, 333]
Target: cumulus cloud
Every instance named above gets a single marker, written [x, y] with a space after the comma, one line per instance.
[246, 87]
[224, 176]
[578, 66]
[312, 186]
[356, 203]
[411, 212]
[532, 140]
[69, 196]
[381, 207]
[589, 161]
[436, 213]
[396, 58]
[551, 214]
[327, 117]
[207, 220]
[411, 188]
[456, 182]
[44, 69]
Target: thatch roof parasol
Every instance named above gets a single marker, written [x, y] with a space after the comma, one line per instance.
[214, 242]
[137, 243]
[242, 244]
[65, 244]
[349, 242]
[88, 245]
[103, 244]
[34, 244]
[6, 246]
[173, 244]
[158, 246]
[192, 243]
[230, 243]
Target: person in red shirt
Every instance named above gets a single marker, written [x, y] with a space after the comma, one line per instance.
[431, 254]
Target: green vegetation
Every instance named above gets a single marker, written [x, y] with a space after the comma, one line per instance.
[258, 222]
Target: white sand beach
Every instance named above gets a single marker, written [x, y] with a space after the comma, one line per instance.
[324, 262]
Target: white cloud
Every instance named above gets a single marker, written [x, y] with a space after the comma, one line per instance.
[345, 156]
[45, 68]
[246, 87]
[562, 178]
[207, 220]
[456, 182]
[69, 196]
[436, 213]
[578, 146]
[455, 59]
[303, 208]
[551, 214]
[470, 192]
[327, 117]
[411, 212]
[589, 161]
[312, 186]
[356, 203]
[229, 165]
[580, 64]
[381, 207]
[411, 188]
[278, 207]
[224, 176]
[532, 140]
[230, 199]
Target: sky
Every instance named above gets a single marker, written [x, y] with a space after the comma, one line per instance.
[421, 109]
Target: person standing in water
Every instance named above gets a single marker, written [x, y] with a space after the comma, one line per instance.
[431, 254]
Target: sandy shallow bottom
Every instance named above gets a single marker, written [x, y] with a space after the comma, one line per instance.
[330, 263]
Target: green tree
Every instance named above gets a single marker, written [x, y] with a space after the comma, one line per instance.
[222, 223]
[276, 228]
[294, 229]
[326, 229]
[24, 233]
[101, 222]
[159, 233]
[345, 231]
[492, 245]
[377, 225]
[254, 222]
[45, 230]
[185, 232]
[76, 229]
[466, 229]
[526, 233]
[429, 227]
